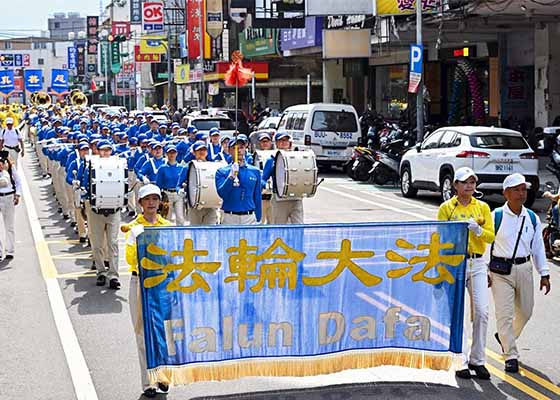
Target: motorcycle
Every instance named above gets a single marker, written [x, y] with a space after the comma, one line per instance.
[387, 160]
[551, 232]
[359, 166]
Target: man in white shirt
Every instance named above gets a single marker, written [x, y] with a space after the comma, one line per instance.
[11, 140]
[10, 194]
[513, 291]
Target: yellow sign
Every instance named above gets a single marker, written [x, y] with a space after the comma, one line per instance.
[153, 45]
[403, 7]
[182, 72]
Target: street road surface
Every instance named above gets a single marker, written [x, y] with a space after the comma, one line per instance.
[57, 327]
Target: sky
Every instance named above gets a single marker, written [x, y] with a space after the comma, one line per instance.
[33, 14]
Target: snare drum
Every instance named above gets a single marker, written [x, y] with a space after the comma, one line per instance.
[108, 182]
[296, 174]
[201, 184]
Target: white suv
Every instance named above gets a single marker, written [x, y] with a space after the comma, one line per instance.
[493, 153]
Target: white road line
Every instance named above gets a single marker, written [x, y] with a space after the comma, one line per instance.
[385, 206]
[401, 201]
[81, 378]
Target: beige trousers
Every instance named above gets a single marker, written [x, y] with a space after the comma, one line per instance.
[7, 225]
[177, 208]
[266, 217]
[135, 305]
[104, 235]
[205, 216]
[287, 211]
[514, 300]
[232, 219]
[69, 197]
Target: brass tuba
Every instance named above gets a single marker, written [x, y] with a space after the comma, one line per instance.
[78, 98]
[41, 99]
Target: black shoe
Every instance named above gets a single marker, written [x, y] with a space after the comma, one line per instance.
[101, 280]
[93, 266]
[512, 365]
[83, 240]
[72, 224]
[150, 393]
[106, 263]
[480, 371]
[499, 341]
[114, 284]
[463, 374]
[59, 210]
[131, 213]
[65, 216]
[9, 257]
[163, 387]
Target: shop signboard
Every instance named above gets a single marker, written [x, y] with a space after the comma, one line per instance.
[135, 12]
[337, 7]
[258, 42]
[214, 18]
[415, 71]
[310, 36]
[404, 7]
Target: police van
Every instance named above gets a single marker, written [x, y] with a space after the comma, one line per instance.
[330, 130]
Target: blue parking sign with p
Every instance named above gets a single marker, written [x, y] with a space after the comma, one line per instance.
[416, 51]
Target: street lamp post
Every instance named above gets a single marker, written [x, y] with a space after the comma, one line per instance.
[169, 73]
[202, 99]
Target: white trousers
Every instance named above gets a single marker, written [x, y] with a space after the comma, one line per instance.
[104, 235]
[8, 213]
[205, 216]
[477, 296]
[176, 207]
[514, 300]
[135, 305]
[287, 211]
[266, 217]
[232, 219]
[12, 155]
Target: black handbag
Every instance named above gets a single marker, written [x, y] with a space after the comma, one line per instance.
[503, 266]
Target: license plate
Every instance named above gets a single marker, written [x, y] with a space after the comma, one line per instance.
[504, 167]
[335, 153]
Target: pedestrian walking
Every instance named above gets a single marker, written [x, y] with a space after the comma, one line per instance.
[518, 248]
[12, 141]
[465, 207]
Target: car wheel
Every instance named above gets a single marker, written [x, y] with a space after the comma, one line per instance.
[531, 197]
[446, 187]
[407, 189]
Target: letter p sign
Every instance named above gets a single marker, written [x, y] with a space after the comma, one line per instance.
[416, 58]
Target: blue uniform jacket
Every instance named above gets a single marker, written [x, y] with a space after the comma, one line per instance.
[242, 198]
[148, 170]
[167, 176]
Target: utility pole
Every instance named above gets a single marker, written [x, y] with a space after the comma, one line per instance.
[420, 94]
[202, 94]
[169, 73]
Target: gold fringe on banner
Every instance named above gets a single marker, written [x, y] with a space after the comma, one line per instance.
[299, 366]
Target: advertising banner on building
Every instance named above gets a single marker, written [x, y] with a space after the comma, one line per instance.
[152, 16]
[59, 81]
[403, 7]
[227, 302]
[258, 42]
[338, 7]
[153, 44]
[195, 16]
[81, 64]
[182, 72]
[6, 82]
[310, 36]
[72, 58]
[120, 28]
[136, 12]
[214, 18]
[143, 57]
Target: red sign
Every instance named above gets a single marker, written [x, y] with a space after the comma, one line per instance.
[195, 16]
[128, 68]
[120, 28]
[141, 57]
[152, 16]
[26, 60]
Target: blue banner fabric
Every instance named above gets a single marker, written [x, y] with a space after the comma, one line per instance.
[301, 299]
[33, 80]
[59, 80]
[6, 81]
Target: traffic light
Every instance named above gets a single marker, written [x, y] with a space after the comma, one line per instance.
[116, 38]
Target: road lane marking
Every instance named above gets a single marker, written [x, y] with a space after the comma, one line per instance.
[401, 201]
[527, 374]
[385, 206]
[79, 372]
[516, 383]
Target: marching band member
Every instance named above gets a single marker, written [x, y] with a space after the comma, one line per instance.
[12, 140]
[284, 211]
[239, 186]
[104, 232]
[214, 147]
[204, 216]
[265, 143]
[10, 195]
[133, 130]
[78, 166]
[465, 207]
[149, 198]
[166, 179]
[223, 155]
[149, 169]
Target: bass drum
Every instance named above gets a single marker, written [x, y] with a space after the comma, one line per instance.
[296, 174]
[259, 160]
[108, 182]
[201, 184]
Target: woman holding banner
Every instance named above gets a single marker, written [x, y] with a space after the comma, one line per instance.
[149, 197]
[464, 207]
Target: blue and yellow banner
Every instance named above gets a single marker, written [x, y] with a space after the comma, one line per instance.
[6, 81]
[59, 81]
[404, 7]
[227, 302]
[153, 44]
[33, 80]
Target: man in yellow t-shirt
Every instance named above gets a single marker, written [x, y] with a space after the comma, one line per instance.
[465, 207]
[149, 197]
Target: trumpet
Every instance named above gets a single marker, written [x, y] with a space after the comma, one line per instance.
[78, 98]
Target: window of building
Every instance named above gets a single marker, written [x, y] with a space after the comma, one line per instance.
[391, 90]
[7, 45]
[41, 61]
[56, 25]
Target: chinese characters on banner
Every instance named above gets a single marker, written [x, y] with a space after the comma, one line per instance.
[136, 12]
[81, 59]
[120, 28]
[92, 43]
[33, 80]
[141, 57]
[400, 7]
[124, 80]
[312, 290]
[59, 81]
[196, 16]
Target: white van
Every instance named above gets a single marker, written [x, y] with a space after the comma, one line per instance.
[330, 130]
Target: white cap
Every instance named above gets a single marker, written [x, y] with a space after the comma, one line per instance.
[147, 190]
[9, 120]
[514, 180]
[464, 173]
